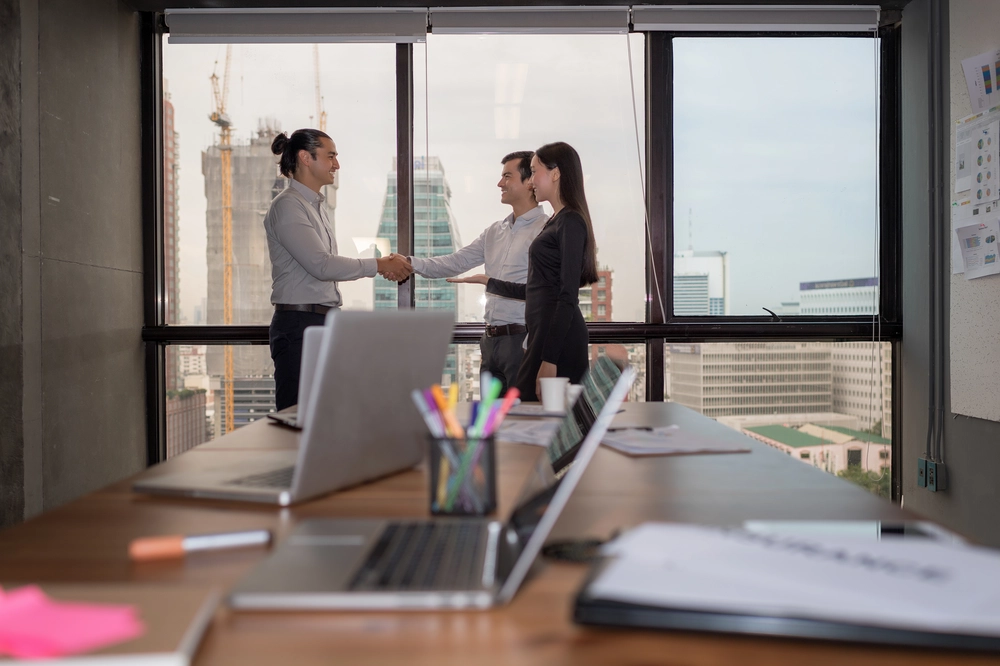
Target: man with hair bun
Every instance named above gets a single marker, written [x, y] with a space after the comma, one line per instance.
[305, 266]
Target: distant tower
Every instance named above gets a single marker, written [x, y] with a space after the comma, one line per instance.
[171, 272]
[435, 234]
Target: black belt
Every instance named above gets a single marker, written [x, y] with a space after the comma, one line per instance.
[317, 309]
[509, 329]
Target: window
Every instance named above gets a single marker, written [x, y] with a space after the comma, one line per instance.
[490, 95]
[272, 88]
[775, 196]
[800, 239]
[783, 393]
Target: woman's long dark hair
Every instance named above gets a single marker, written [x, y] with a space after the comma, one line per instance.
[563, 156]
[288, 147]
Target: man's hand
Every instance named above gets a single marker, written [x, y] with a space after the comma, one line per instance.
[394, 267]
[471, 279]
[544, 370]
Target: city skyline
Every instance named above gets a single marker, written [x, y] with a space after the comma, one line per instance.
[823, 226]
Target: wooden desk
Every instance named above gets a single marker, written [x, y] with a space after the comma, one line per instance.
[86, 541]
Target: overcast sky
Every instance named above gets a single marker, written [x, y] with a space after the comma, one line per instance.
[774, 143]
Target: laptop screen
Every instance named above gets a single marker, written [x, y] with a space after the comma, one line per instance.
[597, 386]
[531, 520]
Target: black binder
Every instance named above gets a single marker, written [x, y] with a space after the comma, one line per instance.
[591, 610]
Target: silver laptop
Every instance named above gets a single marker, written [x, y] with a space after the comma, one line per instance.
[355, 428]
[314, 338]
[442, 564]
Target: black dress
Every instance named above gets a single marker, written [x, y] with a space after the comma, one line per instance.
[557, 332]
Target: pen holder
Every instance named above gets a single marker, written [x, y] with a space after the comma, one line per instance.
[462, 476]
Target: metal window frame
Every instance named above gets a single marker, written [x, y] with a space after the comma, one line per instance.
[656, 332]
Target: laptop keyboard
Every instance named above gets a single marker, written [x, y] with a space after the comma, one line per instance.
[425, 556]
[276, 478]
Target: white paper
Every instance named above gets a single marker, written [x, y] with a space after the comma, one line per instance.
[532, 410]
[962, 214]
[983, 149]
[981, 75]
[976, 154]
[538, 433]
[978, 244]
[669, 440]
[882, 583]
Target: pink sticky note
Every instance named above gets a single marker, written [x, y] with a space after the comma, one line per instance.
[34, 626]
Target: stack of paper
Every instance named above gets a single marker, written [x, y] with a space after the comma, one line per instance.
[665, 441]
[917, 585]
[538, 433]
[32, 626]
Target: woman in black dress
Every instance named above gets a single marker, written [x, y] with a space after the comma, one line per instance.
[561, 260]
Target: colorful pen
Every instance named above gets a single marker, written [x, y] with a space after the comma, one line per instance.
[432, 424]
[163, 547]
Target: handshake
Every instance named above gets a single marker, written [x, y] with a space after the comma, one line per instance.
[394, 267]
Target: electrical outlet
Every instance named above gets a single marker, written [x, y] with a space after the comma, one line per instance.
[932, 477]
[941, 474]
[922, 472]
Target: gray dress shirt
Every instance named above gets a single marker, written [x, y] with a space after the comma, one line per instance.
[303, 248]
[503, 248]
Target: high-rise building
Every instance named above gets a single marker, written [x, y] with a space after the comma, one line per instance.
[595, 299]
[186, 424]
[434, 235]
[743, 378]
[701, 283]
[862, 371]
[171, 238]
[839, 297]
[862, 379]
[255, 182]
[253, 399]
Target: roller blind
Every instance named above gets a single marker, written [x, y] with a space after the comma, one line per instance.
[284, 25]
[741, 18]
[528, 20]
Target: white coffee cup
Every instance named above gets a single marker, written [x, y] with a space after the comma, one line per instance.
[554, 393]
[573, 392]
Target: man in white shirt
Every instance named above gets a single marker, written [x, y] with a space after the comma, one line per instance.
[305, 266]
[503, 248]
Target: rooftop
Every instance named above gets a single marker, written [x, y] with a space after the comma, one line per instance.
[788, 436]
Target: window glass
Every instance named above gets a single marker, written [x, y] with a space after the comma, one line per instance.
[196, 409]
[775, 175]
[270, 88]
[830, 400]
[480, 98]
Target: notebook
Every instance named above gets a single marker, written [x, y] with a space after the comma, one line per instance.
[175, 617]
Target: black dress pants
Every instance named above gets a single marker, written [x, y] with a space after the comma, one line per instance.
[502, 357]
[285, 335]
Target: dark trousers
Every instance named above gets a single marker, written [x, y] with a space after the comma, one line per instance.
[285, 335]
[502, 357]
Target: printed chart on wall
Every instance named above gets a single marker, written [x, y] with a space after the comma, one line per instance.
[978, 244]
[963, 214]
[976, 140]
[982, 74]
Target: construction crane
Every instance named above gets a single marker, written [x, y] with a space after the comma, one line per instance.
[221, 119]
[320, 112]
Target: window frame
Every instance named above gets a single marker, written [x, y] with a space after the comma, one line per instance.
[655, 332]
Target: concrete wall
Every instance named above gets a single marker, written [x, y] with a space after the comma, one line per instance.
[971, 446]
[72, 319]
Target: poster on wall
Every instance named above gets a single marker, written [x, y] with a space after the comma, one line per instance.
[978, 243]
[963, 213]
[977, 138]
[982, 73]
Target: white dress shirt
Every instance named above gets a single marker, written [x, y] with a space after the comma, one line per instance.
[503, 248]
[303, 248]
